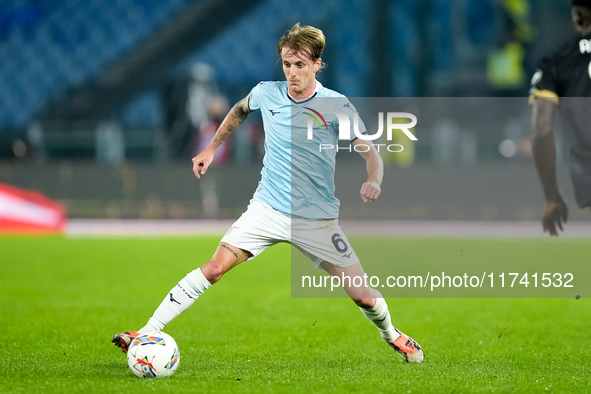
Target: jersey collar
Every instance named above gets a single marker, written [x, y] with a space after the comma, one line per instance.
[307, 99]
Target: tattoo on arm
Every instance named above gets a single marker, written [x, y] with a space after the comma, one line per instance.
[230, 249]
[235, 117]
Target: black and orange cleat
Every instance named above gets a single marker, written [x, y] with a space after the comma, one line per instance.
[123, 339]
[408, 348]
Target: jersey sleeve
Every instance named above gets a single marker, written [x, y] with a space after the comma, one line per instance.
[544, 82]
[353, 115]
[254, 100]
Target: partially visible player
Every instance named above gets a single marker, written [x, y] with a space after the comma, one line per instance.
[563, 80]
[294, 201]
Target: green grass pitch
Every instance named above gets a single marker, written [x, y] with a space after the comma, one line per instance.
[61, 300]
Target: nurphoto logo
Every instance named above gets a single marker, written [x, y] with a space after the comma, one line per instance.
[393, 120]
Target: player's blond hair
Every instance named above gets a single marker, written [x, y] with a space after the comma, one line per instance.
[307, 40]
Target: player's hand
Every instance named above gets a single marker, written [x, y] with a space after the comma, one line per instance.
[555, 215]
[201, 163]
[370, 191]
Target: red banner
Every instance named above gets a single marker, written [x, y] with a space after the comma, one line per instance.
[28, 212]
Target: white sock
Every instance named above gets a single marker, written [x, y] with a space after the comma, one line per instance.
[380, 317]
[180, 297]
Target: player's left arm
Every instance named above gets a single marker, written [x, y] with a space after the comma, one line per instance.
[544, 151]
[371, 189]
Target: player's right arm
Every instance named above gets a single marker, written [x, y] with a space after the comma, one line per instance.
[544, 151]
[233, 119]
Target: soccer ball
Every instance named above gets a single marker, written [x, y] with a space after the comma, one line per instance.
[154, 355]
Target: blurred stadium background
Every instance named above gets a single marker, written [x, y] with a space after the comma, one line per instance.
[103, 103]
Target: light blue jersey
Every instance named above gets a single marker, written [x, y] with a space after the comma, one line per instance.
[297, 176]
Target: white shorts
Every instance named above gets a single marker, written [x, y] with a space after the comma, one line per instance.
[319, 240]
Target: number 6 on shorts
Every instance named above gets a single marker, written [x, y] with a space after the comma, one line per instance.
[339, 243]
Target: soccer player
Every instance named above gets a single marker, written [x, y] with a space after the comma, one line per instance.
[294, 201]
[564, 79]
